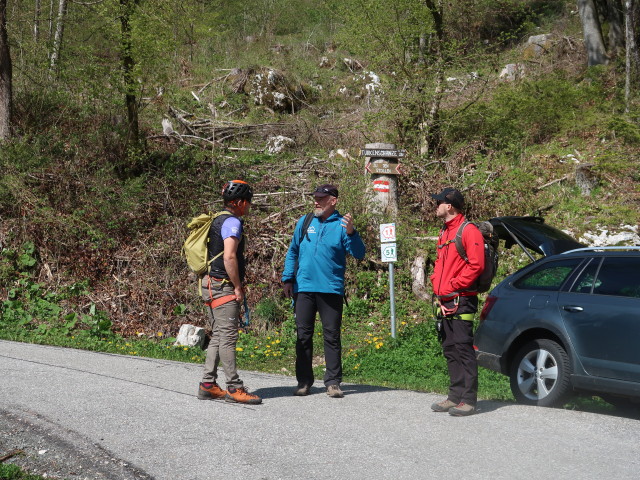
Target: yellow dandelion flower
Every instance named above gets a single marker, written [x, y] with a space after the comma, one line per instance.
[185, 349]
[277, 341]
[239, 349]
[159, 334]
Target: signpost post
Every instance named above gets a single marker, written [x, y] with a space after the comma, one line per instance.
[389, 254]
[382, 163]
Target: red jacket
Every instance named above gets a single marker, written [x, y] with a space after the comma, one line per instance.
[451, 274]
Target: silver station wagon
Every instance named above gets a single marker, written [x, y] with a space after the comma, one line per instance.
[565, 323]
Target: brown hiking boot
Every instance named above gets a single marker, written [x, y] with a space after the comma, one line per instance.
[240, 395]
[334, 391]
[302, 390]
[214, 392]
[443, 406]
[462, 410]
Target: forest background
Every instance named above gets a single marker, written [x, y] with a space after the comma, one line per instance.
[121, 120]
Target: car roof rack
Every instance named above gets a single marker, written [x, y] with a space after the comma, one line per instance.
[599, 249]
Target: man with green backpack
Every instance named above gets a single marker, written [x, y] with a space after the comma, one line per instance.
[222, 292]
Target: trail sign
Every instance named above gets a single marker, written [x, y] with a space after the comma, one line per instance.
[389, 252]
[387, 232]
[383, 167]
[382, 153]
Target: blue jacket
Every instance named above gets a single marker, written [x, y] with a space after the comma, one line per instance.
[322, 257]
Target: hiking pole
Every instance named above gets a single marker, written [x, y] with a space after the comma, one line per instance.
[247, 315]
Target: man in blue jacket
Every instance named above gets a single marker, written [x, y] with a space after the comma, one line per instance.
[314, 276]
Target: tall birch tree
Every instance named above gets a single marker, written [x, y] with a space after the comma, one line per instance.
[57, 39]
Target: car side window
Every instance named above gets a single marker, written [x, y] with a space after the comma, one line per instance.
[619, 276]
[549, 276]
[585, 281]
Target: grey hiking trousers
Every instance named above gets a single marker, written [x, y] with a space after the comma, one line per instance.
[224, 321]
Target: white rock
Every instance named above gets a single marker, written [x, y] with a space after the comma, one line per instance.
[512, 72]
[190, 336]
[167, 128]
[279, 144]
[604, 238]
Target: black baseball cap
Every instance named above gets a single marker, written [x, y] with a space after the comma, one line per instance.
[450, 195]
[326, 189]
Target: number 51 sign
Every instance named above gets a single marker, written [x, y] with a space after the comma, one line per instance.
[389, 252]
[388, 248]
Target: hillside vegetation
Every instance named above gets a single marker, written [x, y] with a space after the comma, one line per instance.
[94, 211]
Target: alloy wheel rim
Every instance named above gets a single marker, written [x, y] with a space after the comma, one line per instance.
[537, 374]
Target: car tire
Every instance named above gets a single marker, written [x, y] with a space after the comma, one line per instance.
[539, 374]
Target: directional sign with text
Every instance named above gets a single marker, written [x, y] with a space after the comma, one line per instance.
[381, 153]
[383, 168]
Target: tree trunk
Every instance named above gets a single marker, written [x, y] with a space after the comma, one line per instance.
[593, 41]
[616, 27]
[36, 21]
[57, 40]
[634, 28]
[429, 123]
[128, 63]
[5, 76]
[630, 48]
[50, 33]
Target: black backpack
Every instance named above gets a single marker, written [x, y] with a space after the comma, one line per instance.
[483, 283]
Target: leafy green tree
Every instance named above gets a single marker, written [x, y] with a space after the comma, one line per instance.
[409, 41]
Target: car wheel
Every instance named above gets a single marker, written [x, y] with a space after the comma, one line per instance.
[539, 374]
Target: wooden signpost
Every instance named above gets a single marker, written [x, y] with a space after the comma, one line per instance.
[381, 161]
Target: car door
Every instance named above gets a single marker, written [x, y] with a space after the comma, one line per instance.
[601, 312]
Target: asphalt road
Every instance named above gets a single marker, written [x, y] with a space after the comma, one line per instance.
[92, 415]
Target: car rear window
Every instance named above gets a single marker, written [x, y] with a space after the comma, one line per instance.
[548, 276]
[619, 276]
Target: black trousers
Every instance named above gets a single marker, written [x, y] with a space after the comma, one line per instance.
[329, 306]
[457, 347]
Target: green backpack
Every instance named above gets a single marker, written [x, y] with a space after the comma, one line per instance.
[195, 246]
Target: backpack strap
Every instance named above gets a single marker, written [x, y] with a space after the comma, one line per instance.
[458, 241]
[305, 226]
[213, 217]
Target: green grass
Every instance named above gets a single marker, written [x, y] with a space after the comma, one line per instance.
[13, 472]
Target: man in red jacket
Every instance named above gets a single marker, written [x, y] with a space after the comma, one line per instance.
[453, 282]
